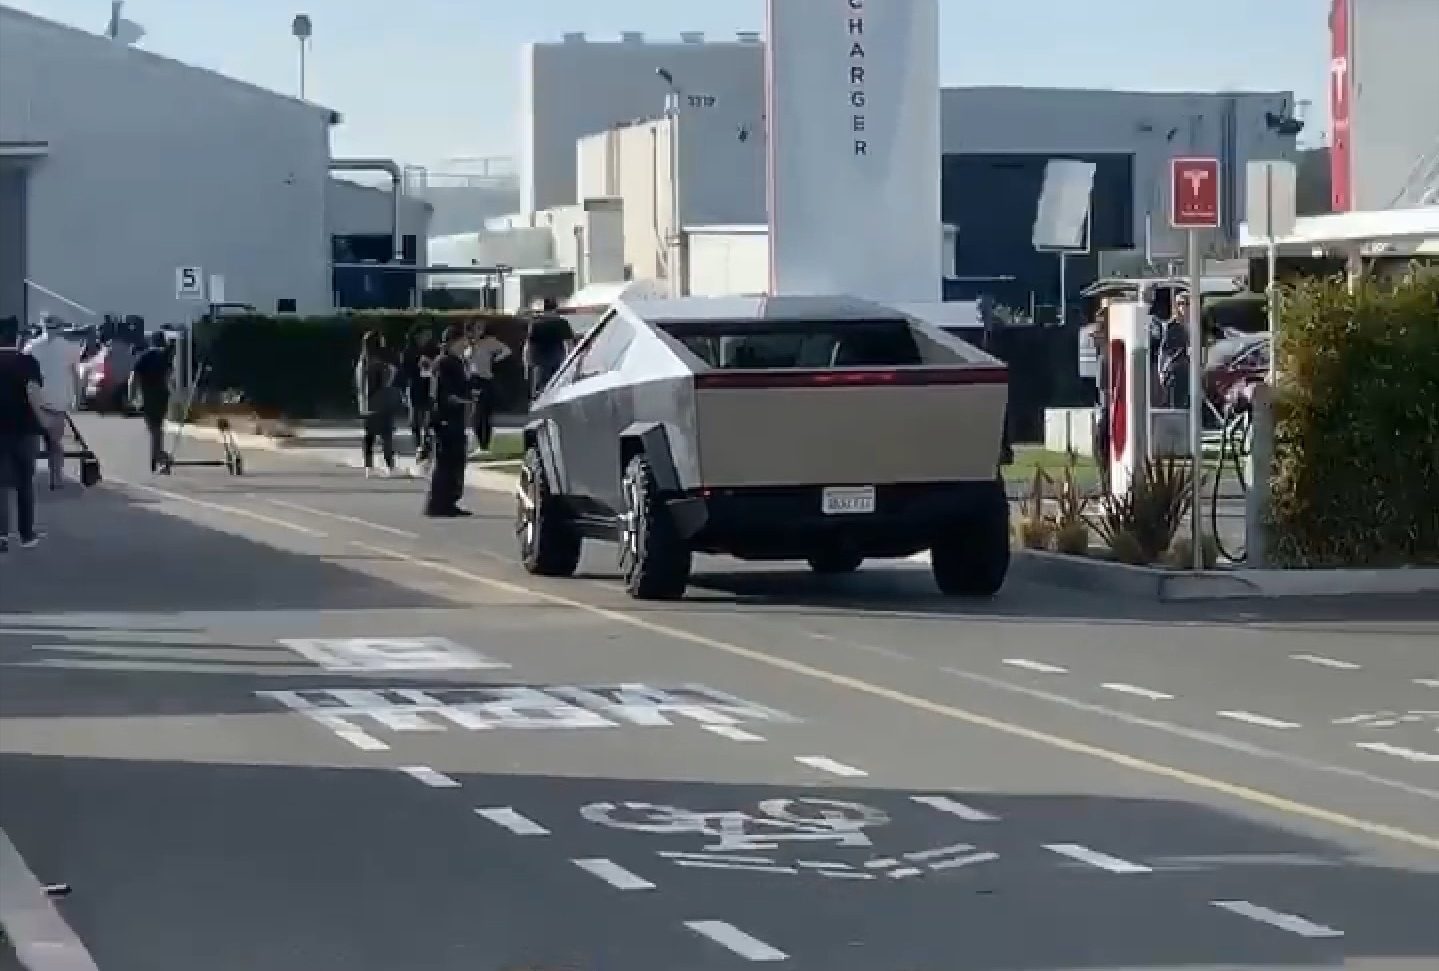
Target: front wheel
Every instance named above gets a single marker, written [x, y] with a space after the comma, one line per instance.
[655, 560]
[972, 558]
[549, 544]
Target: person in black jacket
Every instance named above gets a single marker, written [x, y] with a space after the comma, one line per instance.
[415, 373]
[450, 418]
[378, 397]
[548, 343]
[151, 377]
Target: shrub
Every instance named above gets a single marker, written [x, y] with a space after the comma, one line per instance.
[303, 367]
[1181, 551]
[1144, 520]
[1356, 476]
[1035, 528]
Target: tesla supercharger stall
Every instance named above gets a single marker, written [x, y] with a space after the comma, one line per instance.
[1127, 355]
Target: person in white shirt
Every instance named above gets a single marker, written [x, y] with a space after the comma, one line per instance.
[58, 359]
[485, 351]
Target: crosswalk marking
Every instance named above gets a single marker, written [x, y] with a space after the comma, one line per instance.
[1288, 922]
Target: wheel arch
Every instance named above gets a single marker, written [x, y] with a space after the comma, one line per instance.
[538, 434]
[648, 438]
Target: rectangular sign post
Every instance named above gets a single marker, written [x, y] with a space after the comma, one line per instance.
[1194, 207]
[1271, 201]
[189, 283]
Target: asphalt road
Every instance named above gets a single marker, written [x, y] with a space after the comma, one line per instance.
[282, 722]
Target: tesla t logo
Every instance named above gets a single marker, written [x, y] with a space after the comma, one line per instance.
[1194, 193]
[1118, 393]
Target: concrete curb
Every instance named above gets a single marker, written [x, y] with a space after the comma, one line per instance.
[32, 924]
[1172, 586]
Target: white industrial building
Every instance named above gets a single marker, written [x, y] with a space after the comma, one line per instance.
[577, 87]
[118, 167]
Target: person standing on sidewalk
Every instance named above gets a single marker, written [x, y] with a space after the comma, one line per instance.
[485, 351]
[379, 401]
[451, 397]
[20, 402]
[151, 380]
[415, 367]
[58, 359]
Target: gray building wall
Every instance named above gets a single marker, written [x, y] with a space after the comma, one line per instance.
[353, 209]
[154, 165]
[576, 88]
[1152, 126]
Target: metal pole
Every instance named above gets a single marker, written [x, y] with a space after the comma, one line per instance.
[676, 284]
[1196, 399]
[1272, 293]
[1063, 287]
[302, 69]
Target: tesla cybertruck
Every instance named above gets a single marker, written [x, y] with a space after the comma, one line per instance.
[830, 430]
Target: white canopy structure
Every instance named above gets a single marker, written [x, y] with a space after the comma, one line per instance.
[1388, 232]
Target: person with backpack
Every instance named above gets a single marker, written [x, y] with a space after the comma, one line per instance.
[379, 398]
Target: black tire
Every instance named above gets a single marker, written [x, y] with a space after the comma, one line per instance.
[972, 559]
[549, 544]
[835, 562]
[655, 560]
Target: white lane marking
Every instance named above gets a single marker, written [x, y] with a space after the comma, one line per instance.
[937, 852]
[339, 517]
[231, 510]
[955, 808]
[830, 766]
[1263, 721]
[1327, 662]
[431, 778]
[512, 821]
[732, 733]
[33, 926]
[964, 861]
[615, 875]
[1204, 737]
[363, 741]
[721, 865]
[904, 872]
[710, 857]
[1096, 859]
[1040, 666]
[1427, 682]
[1132, 689]
[1286, 922]
[1384, 748]
[730, 936]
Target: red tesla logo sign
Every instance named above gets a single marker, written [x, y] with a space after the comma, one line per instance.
[1194, 189]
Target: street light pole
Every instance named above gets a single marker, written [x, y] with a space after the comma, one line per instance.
[302, 28]
[675, 240]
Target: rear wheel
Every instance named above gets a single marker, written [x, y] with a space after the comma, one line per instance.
[549, 543]
[972, 558]
[655, 560]
[834, 562]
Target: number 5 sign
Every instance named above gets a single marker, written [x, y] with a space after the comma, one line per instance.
[189, 283]
[1194, 193]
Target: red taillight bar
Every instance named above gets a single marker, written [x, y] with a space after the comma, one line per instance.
[854, 377]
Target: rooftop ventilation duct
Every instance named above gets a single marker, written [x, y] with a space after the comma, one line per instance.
[748, 36]
[692, 37]
[575, 37]
[632, 37]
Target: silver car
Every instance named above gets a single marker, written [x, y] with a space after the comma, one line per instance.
[829, 430]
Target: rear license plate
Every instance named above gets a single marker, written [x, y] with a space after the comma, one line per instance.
[848, 500]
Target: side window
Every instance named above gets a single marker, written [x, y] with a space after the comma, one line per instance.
[605, 347]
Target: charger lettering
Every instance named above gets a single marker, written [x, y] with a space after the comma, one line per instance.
[858, 97]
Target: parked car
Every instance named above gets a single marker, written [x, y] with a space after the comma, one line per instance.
[105, 378]
[1234, 361]
[829, 430]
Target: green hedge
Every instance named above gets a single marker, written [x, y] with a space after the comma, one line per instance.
[1357, 424]
[303, 367]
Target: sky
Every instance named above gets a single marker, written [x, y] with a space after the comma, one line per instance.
[428, 80]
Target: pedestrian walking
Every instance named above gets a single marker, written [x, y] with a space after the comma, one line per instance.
[546, 347]
[151, 381]
[1174, 354]
[378, 393]
[449, 418]
[415, 367]
[21, 382]
[58, 359]
[485, 351]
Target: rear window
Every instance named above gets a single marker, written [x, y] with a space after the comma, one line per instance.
[765, 344]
